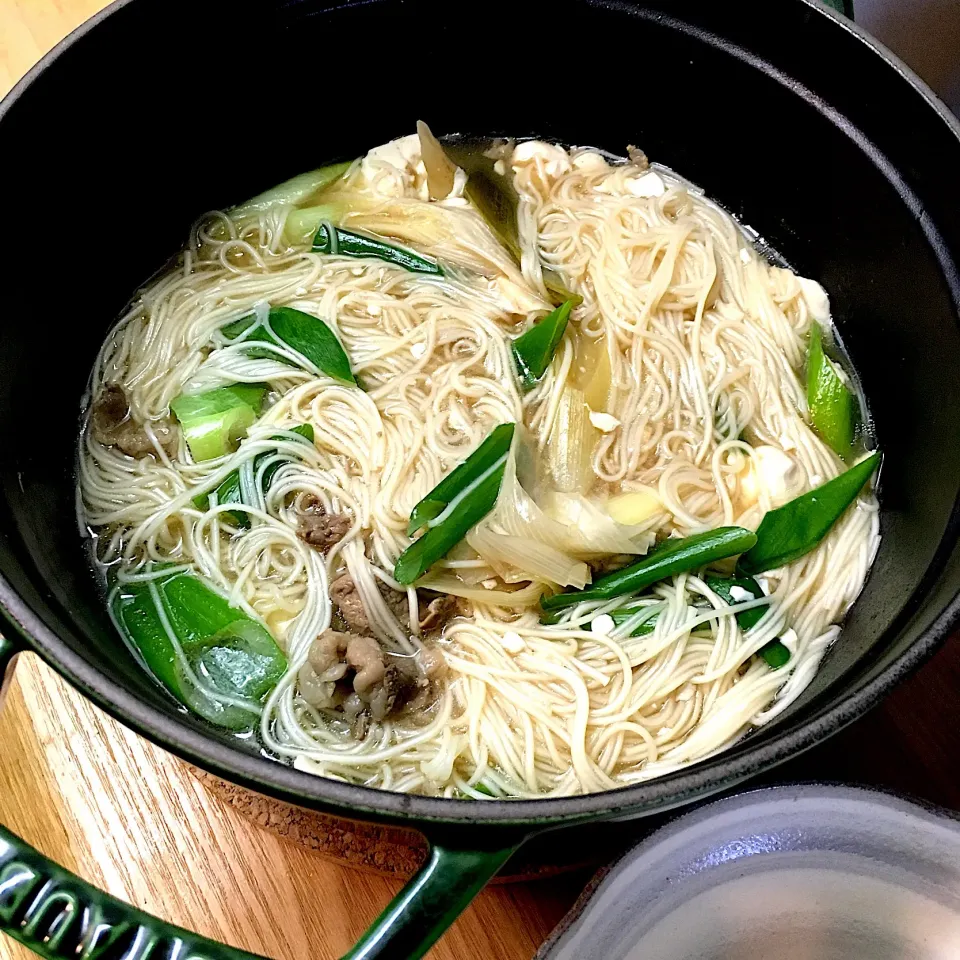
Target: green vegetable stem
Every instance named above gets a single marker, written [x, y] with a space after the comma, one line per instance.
[336, 240]
[669, 558]
[458, 502]
[214, 421]
[831, 404]
[294, 191]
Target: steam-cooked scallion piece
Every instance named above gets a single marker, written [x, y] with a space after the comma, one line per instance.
[304, 334]
[494, 195]
[493, 449]
[628, 612]
[338, 241]
[214, 421]
[302, 224]
[439, 540]
[798, 526]
[669, 558]
[533, 350]
[830, 402]
[455, 505]
[293, 192]
[211, 656]
[723, 587]
[230, 491]
[775, 653]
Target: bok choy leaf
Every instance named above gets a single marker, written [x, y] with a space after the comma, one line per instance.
[211, 656]
[304, 334]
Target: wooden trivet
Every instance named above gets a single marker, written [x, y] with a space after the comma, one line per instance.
[374, 847]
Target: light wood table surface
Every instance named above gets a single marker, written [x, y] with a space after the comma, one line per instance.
[121, 813]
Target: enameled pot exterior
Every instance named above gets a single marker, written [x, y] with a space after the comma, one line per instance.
[161, 109]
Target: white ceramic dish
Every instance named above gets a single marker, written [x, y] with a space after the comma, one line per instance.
[787, 873]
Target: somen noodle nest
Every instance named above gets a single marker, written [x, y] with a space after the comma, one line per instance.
[674, 404]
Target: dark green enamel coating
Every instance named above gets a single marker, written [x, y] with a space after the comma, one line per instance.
[60, 917]
[429, 903]
[7, 652]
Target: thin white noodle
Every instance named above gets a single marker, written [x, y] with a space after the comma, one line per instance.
[706, 345]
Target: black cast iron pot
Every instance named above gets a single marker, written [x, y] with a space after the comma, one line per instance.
[158, 110]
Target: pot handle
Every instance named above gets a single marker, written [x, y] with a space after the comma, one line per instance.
[61, 917]
[423, 910]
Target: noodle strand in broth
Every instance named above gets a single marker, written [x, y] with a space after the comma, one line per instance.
[673, 405]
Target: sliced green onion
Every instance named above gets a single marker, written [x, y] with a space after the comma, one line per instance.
[831, 404]
[306, 335]
[621, 615]
[668, 559]
[533, 350]
[301, 225]
[721, 586]
[798, 526]
[293, 192]
[493, 448]
[229, 490]
[214, 421]
[340, 242]
[460, 504]
[775, 653]
[496, 199]
[211, 656]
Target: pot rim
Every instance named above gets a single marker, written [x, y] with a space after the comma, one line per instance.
[714, 774]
